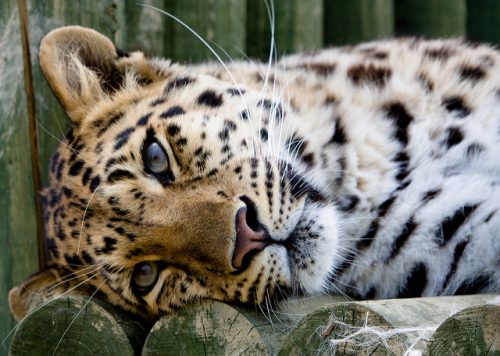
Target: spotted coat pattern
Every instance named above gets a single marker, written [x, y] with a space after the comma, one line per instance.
[373, 170]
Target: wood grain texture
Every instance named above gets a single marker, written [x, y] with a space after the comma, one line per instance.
[472, 331]
[431, 18]
[405, 320]
[18, 253]
[305, 326]
[483, 19]
[210, 328]
[298, 27]
[350, 22]
[75, 326]
[218, 22]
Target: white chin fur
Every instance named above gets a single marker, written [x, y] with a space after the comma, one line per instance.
[314, 278]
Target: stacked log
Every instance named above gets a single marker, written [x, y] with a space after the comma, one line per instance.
[308, 326]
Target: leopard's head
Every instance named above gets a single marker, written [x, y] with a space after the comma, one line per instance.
[173, 185]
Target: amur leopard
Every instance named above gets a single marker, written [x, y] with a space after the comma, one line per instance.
[371, 171]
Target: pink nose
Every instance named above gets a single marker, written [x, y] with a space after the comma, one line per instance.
[248, 241]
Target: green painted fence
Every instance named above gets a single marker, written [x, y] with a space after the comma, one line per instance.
[236, 29]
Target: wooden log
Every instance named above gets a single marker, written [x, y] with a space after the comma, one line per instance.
[298, 27]
[216, 328]
[374, 327]
[472, 331]
[431, 18]
[210, 328]
[18, 254]
[350, 22]
[77, 326]
[483, 17]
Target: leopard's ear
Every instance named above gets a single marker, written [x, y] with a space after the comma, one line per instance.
[83, 67]
[33, 292]
[80, 65]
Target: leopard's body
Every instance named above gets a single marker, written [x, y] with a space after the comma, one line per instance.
[372, 171]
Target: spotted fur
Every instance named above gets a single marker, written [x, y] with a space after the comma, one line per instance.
[373, 169]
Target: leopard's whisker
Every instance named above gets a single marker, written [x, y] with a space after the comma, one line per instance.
[75, 275]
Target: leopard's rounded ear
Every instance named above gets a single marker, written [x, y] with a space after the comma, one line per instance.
[33, 292]
[80, 65]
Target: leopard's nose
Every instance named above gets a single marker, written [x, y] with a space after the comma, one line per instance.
[250, 237]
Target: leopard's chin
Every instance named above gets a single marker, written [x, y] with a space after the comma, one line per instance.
[313, 250]
[308, 257]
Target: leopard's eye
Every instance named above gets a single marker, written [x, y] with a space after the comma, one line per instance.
[155, 158]
[145, 275]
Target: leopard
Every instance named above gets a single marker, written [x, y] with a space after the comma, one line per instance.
[370, 171]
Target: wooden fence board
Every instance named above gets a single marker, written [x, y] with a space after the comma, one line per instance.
[431, 18]
[350, 22]
[298, 27]
[204, 17]
[483, 20]
[17, 222]
[17, 207]
[142, 28]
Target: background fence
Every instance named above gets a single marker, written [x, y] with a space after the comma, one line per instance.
[239, 27]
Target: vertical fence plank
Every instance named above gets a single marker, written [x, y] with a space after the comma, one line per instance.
[350, 22]
[219, 22]
[431, 18]
[142, 28]
[298, 27]
[483, 20]
[18, 255]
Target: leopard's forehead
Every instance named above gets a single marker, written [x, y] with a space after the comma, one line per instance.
[205, 122]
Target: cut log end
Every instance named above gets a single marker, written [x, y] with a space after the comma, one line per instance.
[70, 326]
[472, 331]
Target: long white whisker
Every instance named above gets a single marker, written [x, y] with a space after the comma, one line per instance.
[81, 273]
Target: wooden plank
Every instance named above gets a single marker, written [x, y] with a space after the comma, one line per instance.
[298, 27]
[78, 326]
[219, 22]
[350, 22]
[483, 17]
[142, 28]
[431, 18]
[18, 255]
[374, 327]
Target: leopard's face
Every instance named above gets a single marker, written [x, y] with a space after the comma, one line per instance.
[184, 187]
